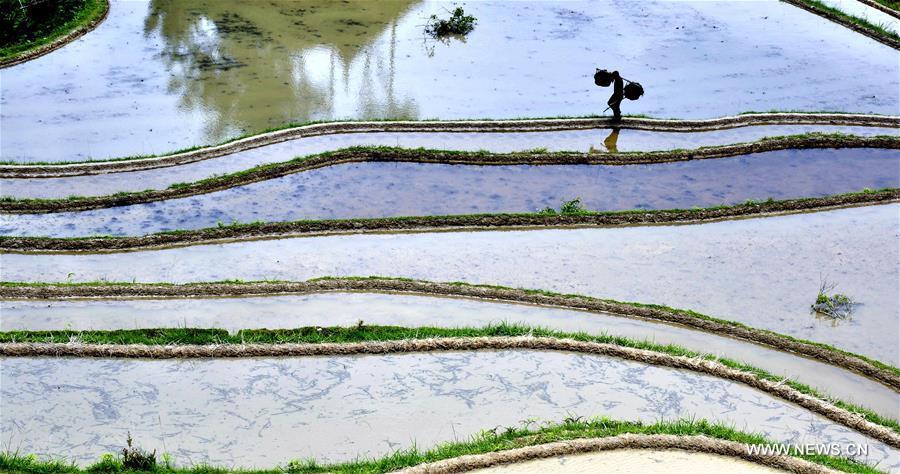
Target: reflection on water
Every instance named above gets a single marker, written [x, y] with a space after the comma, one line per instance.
[253, 65]
[161, 75]
[610, 141]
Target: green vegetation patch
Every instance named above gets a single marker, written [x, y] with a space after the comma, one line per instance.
[879, 30]
[830, 304]
[458, 24]
[570, 213]
[29, 24]
[575, 298]
[430, 156]
[494, 440]
[890, 4]
[362, 332]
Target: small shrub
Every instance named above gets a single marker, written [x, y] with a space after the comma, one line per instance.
[458, 24]
[568, 208]
[137, 459]
[834, 306]
[572, 207]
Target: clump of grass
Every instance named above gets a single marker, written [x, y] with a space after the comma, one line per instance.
[458, 24]
[530, 433]
[573, 207]
[107, 464]
[568, 208]
[832, 305]
[881, 30]
[137, 459]
[893, 5]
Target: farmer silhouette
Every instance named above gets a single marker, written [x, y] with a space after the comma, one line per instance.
[618, 94]
[633, 91]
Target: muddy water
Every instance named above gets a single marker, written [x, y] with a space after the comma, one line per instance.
[408, 189]
[345, 309]
[762, 272]
[573, 140]
[262, 412]
[647, 461]
[168, 74]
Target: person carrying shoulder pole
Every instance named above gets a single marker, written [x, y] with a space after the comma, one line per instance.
[633, 91]
[618, 94]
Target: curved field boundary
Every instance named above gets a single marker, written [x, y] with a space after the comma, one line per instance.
[527, 125]
[491, 441]
[312, 228]
[863, 26]
[864, 366]
[67, 38]
[693, 443]
[882, 8]
[778, 389]
[382, 154]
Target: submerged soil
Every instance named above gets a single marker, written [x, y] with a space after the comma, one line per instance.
[246, 412]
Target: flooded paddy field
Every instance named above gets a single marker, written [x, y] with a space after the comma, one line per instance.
[763, 272]
[593, 140]
[264, 412]
[346, 309]
[159, 75]
[383, 189]
[163, 75]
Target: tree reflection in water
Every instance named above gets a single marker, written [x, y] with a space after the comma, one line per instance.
[250, 65]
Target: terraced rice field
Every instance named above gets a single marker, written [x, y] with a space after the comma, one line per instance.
[439, 278]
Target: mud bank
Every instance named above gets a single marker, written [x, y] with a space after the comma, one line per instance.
[465, 126]
[595, 140]
[264, 230]
[387, 190]
[622, 454]
[762, 272]
[840, 5]
[409, 308]
[488, 294]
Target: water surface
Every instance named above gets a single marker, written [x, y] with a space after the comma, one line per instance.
[261, 412]
[367, 190]
[346, 309]
[762, 272]
[595, 140]
[161, 75]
